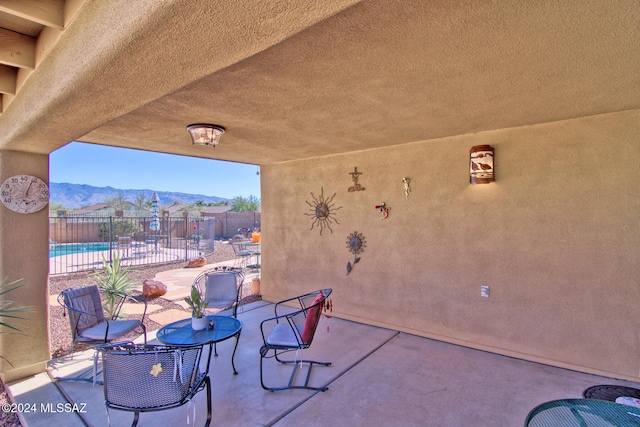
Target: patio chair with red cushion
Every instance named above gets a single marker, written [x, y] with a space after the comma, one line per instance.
[293, 331]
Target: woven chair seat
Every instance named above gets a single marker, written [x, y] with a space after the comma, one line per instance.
[117, 329]
[283, 335]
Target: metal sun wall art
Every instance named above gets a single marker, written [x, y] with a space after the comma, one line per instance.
[354, 177]
[356, 245]
[322, 211]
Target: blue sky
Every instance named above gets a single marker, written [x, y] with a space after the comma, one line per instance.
[102, 166]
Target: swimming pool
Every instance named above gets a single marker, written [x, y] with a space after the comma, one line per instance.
[76, 248]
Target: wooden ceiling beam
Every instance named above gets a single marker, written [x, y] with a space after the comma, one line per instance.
[8, 80]
[49, 13]
[17, 50]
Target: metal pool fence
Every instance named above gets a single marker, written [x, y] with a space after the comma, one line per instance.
[84, 243]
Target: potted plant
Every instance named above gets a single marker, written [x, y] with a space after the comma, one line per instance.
[198, 304]
[255, 285]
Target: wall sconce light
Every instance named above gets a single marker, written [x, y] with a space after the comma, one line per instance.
[204, 134]
[481, 164]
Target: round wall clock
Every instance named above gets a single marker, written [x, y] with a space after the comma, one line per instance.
[24, 193]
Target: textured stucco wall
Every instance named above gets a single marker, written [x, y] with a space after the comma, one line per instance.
[556, 237]
[24, 254]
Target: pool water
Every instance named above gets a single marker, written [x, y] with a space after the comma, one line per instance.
[76, 248]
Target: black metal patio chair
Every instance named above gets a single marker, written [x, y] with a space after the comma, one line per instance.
[146, 378]
[293, 332]
[611, 392]
[242, 253]
[222, 287]
[87, 319]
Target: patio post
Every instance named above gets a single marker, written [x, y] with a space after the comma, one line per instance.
[24, 254]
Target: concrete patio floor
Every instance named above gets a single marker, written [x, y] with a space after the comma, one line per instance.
[378, 377]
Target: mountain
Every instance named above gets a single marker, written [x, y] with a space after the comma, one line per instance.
[80, 195]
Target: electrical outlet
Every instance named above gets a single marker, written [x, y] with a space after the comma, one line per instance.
[484, 291]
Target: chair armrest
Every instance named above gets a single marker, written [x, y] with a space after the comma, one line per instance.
[262, 324]
[303, 300]
[66, 307]
[283, 302]
[279, 320]
[82, 312]
[128, 297]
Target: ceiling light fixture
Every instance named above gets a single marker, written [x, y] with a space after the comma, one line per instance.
[205, 134]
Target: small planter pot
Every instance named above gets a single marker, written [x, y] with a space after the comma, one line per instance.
[198, 323]
[255, 286]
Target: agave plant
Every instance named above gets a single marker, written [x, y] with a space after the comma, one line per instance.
[8, 310]
[113, 282]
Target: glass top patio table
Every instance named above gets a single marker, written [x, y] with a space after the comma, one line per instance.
[583, 413]
[181, 333]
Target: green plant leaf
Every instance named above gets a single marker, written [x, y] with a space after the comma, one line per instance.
[7, 308]
[196, 302]
[113, 283]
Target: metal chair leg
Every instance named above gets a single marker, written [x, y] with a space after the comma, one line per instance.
[296, 366]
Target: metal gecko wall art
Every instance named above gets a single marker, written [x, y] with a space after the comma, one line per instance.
[384, 210]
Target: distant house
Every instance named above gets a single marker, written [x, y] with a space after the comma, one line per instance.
[102, 209]
[179, 209]
[173, 209]
[99, 209]
[212, 210]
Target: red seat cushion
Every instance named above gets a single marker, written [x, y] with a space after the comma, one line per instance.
[313, 316]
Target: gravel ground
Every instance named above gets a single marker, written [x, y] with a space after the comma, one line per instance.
[60, 333]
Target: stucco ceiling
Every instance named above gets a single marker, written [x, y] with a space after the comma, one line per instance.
[300, 79]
